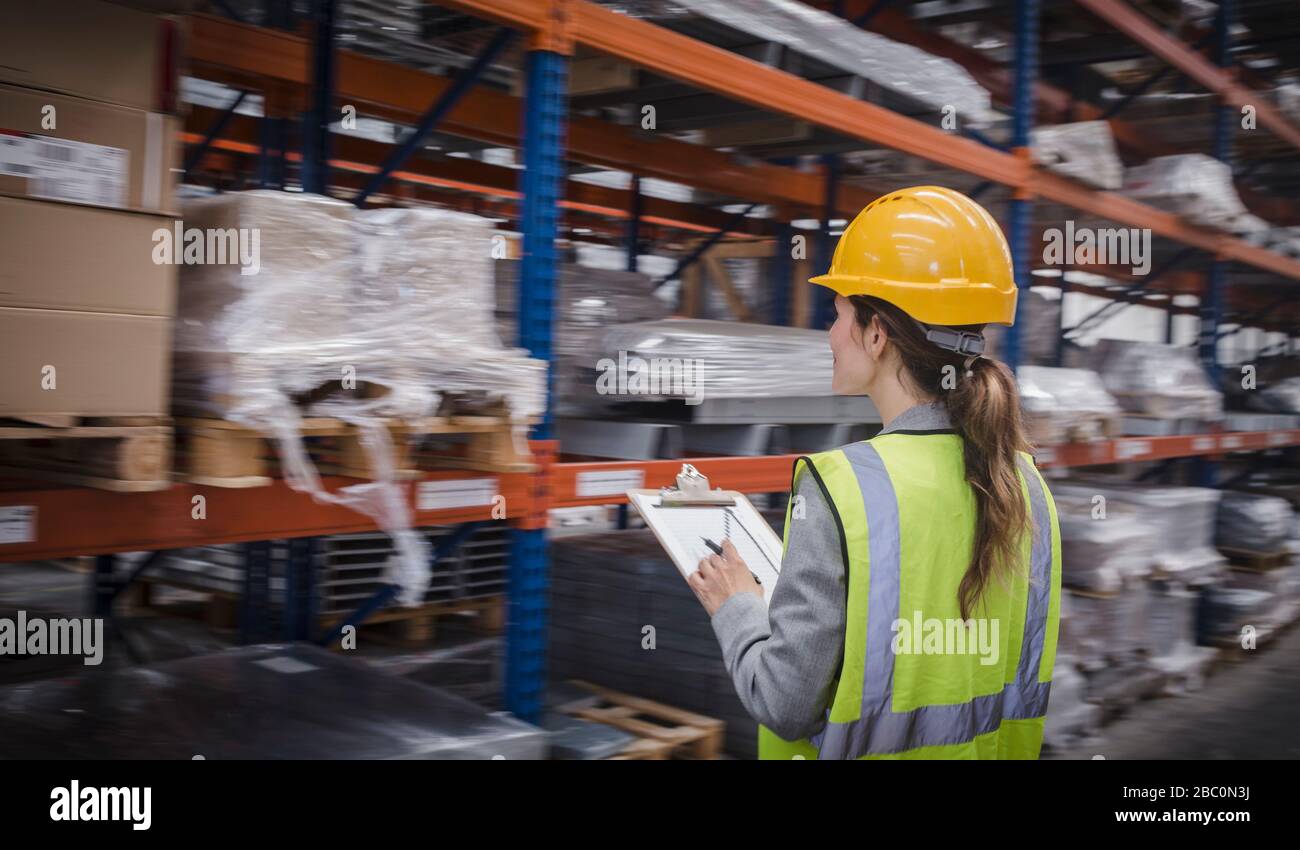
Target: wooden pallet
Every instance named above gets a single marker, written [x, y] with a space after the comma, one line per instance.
[1252, 560]
[1043, 432]
[413, 626]
[221, 453]
[125, 454]
[663, 731]
[418, 625]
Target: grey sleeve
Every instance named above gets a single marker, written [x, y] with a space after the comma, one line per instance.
[783, 659]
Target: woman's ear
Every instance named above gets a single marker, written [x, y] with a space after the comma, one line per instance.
[875, 337]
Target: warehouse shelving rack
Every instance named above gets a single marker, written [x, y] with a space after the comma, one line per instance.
[71, 521]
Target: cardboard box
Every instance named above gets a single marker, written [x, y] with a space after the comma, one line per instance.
[97, 154]
[102, 364]
[68, 257]
[86, 48]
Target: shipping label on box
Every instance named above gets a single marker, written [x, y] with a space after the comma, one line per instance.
[64, 170]
[80, 151]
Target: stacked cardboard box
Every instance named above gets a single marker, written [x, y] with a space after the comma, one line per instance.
[87, 176]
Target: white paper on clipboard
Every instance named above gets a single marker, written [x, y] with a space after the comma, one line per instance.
[681, 531]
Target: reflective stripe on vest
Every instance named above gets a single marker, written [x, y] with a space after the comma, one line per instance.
[880, 730]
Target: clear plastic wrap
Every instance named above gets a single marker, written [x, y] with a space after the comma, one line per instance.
[1084, 150]
[1228, 610]
[1171, 636]
[1281, 396]
[1063, 404]
[1110, 628]
[1253, 522]
[367, 317]
[1100, 554]
[588, 300]
[902, 68]
[1194, 185]
[734, 360]
[1154, 379]
[1178, 521]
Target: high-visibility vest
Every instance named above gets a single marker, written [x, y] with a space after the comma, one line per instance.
[910, 686]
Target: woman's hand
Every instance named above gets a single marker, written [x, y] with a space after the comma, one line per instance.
[721, 576]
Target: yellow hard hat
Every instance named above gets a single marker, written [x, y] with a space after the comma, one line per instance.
[933, 253]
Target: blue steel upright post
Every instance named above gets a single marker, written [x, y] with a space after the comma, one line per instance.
[545, 108]
[1211, 312]
[823, 307]
[1216, 278]
[316, 120]
[1024, 78]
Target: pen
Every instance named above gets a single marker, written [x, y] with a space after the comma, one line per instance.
[717, 550]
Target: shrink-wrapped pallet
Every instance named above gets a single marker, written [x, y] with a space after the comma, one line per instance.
[1101, 551]
[1178, 522]
[1066, 404]
[1194, 185]
[1154, 379]
[1171, 636]
[366, 317]
[1253, 522]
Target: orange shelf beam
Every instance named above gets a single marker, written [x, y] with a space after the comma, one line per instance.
[73, 521]
[715, 69]
[1142, 30]
[492, 116]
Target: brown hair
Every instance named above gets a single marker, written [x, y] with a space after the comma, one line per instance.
[985, 411]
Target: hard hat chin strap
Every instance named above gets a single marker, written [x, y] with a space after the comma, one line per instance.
[961, 342]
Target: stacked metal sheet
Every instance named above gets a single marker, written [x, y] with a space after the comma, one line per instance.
[350, 567]
[622, 617]
[588, 301]
[266, 702]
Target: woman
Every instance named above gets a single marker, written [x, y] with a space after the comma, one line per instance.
[917, 611]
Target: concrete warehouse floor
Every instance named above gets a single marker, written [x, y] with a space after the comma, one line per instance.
[1247, 710]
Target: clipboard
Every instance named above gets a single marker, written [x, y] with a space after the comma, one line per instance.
[682, 518]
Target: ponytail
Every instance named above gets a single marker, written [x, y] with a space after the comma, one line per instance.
[984, 406]
[985, 410]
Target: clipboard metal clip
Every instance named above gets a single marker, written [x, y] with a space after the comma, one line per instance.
[692, 490]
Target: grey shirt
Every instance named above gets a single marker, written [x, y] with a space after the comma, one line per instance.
[783, 658]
